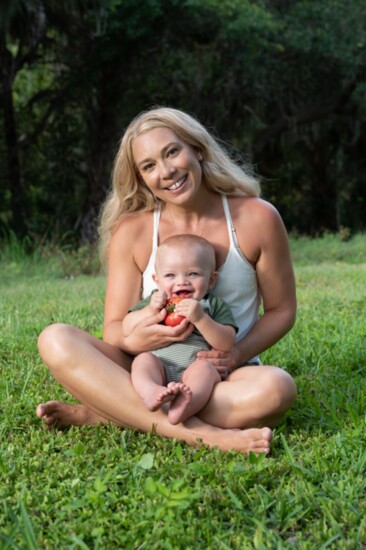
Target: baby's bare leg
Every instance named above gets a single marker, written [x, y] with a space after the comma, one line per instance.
[197, 385]
[149, 380]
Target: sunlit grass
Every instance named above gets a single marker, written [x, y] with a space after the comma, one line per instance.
[112, 488]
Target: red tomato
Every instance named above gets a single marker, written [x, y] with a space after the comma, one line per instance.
[172, 319]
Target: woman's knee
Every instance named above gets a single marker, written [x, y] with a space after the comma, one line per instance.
[55, 343]
[282, 389]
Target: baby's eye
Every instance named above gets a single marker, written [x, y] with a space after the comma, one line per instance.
[169, 275]
[193, 274]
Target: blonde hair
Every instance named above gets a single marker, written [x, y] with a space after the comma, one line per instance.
[207, 251]
[128, 193]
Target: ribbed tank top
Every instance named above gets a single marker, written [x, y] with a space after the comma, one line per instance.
[237, 281]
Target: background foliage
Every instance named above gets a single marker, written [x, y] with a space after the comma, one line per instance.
[282, 81]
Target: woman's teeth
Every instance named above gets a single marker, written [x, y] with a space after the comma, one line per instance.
[177, 184]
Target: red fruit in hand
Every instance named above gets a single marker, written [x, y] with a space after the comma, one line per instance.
[172, 319]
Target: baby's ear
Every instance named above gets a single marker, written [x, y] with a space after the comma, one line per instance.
[213, 278]
[154, 278]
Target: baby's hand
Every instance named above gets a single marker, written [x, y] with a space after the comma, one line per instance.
[191, 309]
[158, 301]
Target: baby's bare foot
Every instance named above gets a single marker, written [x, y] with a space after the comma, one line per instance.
[55, 413]
[180, 404]
[161, 395]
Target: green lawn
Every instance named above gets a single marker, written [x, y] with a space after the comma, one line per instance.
[111, 488]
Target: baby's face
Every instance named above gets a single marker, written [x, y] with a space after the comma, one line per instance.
[182, 273]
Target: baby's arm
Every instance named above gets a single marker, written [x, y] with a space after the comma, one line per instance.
[156, 304]
[219, 336]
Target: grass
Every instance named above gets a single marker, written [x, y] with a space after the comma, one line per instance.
[106, 488]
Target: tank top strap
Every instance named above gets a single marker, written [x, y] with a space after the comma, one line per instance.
[155, 236]
[148, 284]
[229, 221]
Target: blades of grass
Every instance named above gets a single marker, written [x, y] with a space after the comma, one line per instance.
[9, 543]
[287, 449]
[79, 543]
[294, 464]
[28, 531]
[221, 544]
[234, 499]
[7, 389]
[353, 414]
[329, 542]
[28, 375]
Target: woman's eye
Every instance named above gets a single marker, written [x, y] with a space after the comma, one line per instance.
[172, 151]
[147, 167]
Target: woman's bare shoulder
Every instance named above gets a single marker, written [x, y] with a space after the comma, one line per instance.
[258, 225]
[253, 209]
[131, 226]
[133, 221]
[132, 237]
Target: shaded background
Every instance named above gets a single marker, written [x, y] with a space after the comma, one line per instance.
[283, 81]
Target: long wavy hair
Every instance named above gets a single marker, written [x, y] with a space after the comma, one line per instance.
[220, 172]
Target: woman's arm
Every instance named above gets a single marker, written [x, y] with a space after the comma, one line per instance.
[155, 305]
[133, 318]
[123, 283]
[276, 282]
[263, 239]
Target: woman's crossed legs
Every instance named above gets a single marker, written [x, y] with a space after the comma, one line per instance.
[237, 416]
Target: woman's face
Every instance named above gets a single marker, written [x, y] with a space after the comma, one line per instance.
[168, 165]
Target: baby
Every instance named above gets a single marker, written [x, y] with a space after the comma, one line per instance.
[184, 270]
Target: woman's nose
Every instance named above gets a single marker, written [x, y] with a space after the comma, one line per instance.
[166, 170]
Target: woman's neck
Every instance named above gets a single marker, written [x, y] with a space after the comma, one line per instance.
[191, 218]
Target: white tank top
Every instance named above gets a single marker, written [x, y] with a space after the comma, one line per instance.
[237, 281]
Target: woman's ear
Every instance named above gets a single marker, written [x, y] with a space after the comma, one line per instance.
[200, 156]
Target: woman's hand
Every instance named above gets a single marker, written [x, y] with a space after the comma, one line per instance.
[224, 361]
[150, 334]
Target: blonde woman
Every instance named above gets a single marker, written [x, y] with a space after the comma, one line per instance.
[172, 177]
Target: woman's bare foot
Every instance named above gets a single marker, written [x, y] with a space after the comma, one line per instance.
[256, 440]
[55, 413]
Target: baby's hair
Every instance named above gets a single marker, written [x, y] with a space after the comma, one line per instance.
[185, 241]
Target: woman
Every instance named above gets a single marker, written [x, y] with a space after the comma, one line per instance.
[172, 177]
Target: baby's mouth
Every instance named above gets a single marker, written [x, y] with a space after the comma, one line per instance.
[183, 294]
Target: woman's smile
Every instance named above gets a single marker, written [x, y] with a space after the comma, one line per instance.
[166, 163]
[177, 184]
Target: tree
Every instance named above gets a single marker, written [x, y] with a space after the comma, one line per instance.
[283, 81]
[24, 22]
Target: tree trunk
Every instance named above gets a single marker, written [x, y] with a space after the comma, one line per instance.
[11, 142]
